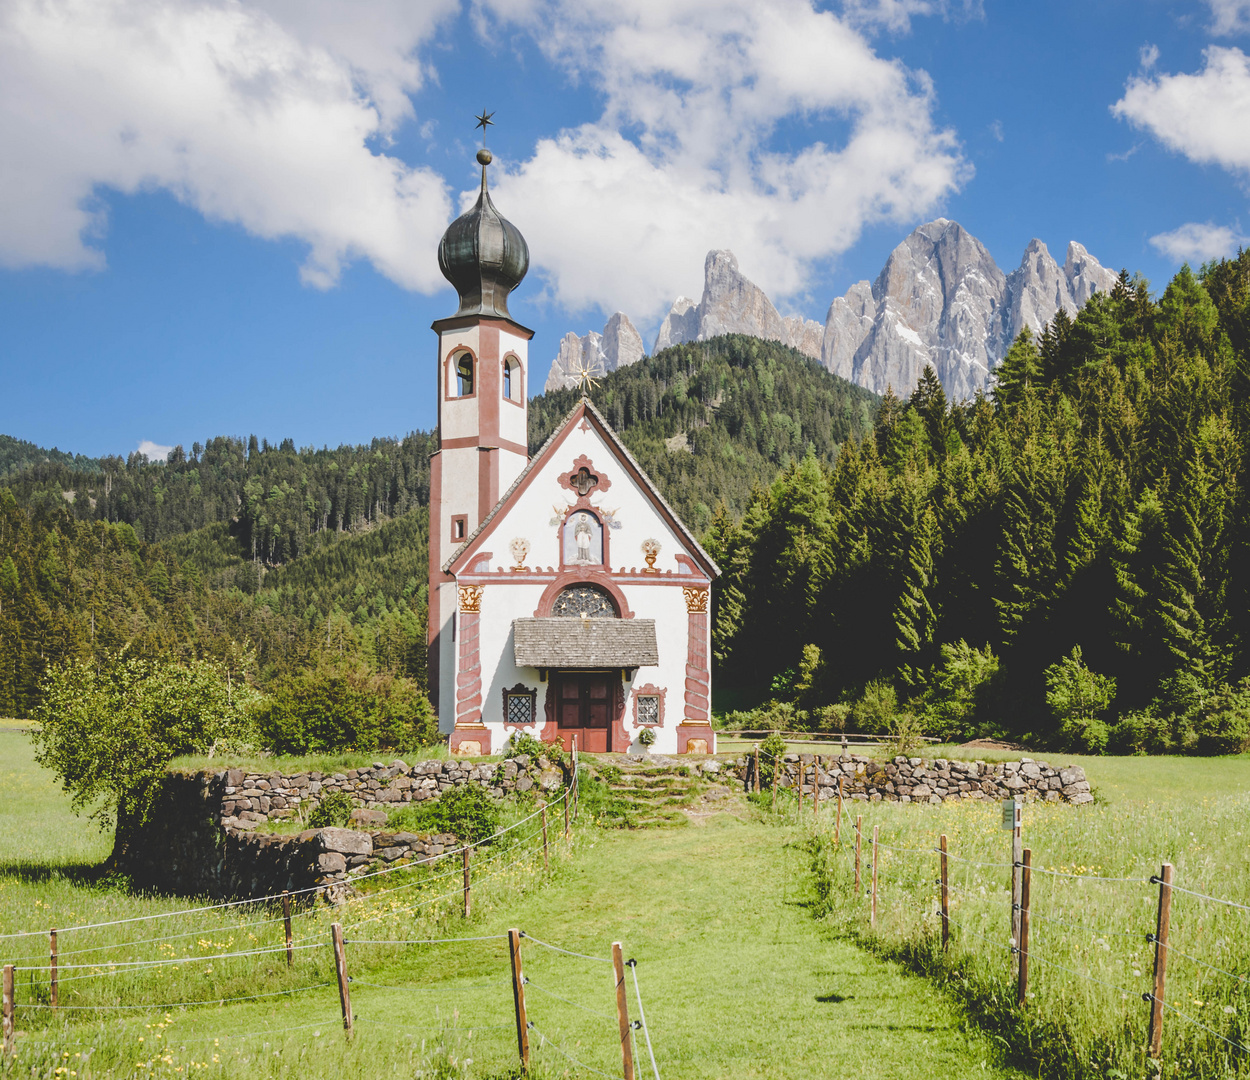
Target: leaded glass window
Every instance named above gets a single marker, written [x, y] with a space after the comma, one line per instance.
[520, 708]
[648, 709]
[588, 600]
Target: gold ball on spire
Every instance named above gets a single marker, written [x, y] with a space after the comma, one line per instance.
[484, 157]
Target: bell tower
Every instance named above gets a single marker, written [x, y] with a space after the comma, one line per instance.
[482, 374]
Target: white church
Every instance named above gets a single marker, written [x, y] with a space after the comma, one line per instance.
[567, 598]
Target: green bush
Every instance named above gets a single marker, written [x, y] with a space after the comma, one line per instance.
[334, 810]
[466, 811]
[342, 706]
[1221, 725]
[958, 693]
[522, 742]
[1077, 698]
[875, 709]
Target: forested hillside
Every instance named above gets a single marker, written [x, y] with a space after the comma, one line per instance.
[281, 559]
[16, 454]
[745, 407]
[957, 557]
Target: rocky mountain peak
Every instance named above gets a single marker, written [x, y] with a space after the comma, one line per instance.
[619, 344]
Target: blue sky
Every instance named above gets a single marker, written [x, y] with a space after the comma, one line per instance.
[220, 217]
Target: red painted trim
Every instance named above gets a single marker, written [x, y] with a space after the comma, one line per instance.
[487, 480]
[687, 731]
[650, 690]
[698, 677]
[469, 442]
[478, 733]
[537, 575]
[469, 673]
[625, 738]
[602, 483]
[460, 322]
[518, 379]
[462, 519]
[521, 690]
[536, 468]
[583, 503]
[449, 373]
[491, 375]
[577, 577]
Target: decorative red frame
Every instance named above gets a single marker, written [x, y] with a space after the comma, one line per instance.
[521, 690]
[577, 577]
[519, 400]
[459, 519]
[602, 483]
[650, 690]
[449, 374]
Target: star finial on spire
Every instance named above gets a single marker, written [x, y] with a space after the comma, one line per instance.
[484, 121]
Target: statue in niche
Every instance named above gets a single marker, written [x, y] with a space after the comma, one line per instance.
[583, 539]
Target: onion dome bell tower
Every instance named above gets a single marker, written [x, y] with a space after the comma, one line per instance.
[482, 374]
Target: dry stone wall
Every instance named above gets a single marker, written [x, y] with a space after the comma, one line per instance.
[204, 834]
[913, 779]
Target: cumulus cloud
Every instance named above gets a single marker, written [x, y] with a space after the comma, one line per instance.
[1202, 115]
[620, 211]
[897, 15]
[1198, 243]
[153, 451]
[259, 115]
[1230, 16]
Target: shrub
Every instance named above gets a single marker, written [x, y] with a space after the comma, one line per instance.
[773, 747]
[334, 810]
[831, 717]
[904, 734]
[957, 697]
[1221, 725]
[466, 811]
[647, 737]
[107, 732]
[1077, 697]
[875, 709]
[342, 706]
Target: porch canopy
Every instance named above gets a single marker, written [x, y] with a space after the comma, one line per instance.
[559, 642]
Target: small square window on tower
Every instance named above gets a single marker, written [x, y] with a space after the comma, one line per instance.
[459, 526]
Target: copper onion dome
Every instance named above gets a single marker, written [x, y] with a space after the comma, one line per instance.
[483, 255]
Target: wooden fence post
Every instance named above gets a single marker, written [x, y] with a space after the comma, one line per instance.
[816, 790]
[872, 920]
[577, 799]
[802, 777]
[546, 860]
[1161, 959]
[945, 894]
[859, 833]
[468, 906]
[52, 980]
[8, 1009]
[566, 809]
[518, 998]
[340, 969]
[757, 768]
[286, 922]
[837, 829]
[1022, 988]
[776, 777]
[622, 1012]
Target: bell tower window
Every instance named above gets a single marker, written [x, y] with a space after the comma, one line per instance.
[464, 375]
[512, 379]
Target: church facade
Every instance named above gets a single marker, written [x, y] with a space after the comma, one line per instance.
[567, 599]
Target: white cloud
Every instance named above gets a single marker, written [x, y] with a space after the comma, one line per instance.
[1203, 116]
[256, 115]
[1230, 16]
[1149, 56]
[996, 129]
[153, 451]
[620, 212]
[1198, 243]
[896, 15]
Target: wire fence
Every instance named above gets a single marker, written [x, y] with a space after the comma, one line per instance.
[1111, 933]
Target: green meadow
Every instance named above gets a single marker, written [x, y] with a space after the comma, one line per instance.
[753, 955]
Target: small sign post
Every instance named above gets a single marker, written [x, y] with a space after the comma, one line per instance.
[1013, 819]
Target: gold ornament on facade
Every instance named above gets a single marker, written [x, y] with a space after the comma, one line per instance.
[520, 549]
[696, 599]
[650, 549]
[471, 599]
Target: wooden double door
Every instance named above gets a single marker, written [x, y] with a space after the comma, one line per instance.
[584, 705]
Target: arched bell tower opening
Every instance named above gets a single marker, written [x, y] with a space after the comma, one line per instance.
[483, 355]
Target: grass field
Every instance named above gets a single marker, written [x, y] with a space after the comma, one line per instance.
[1090, 957]
[737, 978]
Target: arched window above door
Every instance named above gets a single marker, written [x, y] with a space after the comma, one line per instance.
[585, 600]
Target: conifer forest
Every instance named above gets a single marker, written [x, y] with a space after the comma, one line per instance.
[1062, 560]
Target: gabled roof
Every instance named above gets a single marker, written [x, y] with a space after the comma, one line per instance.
[562, 642]
[583, 409]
